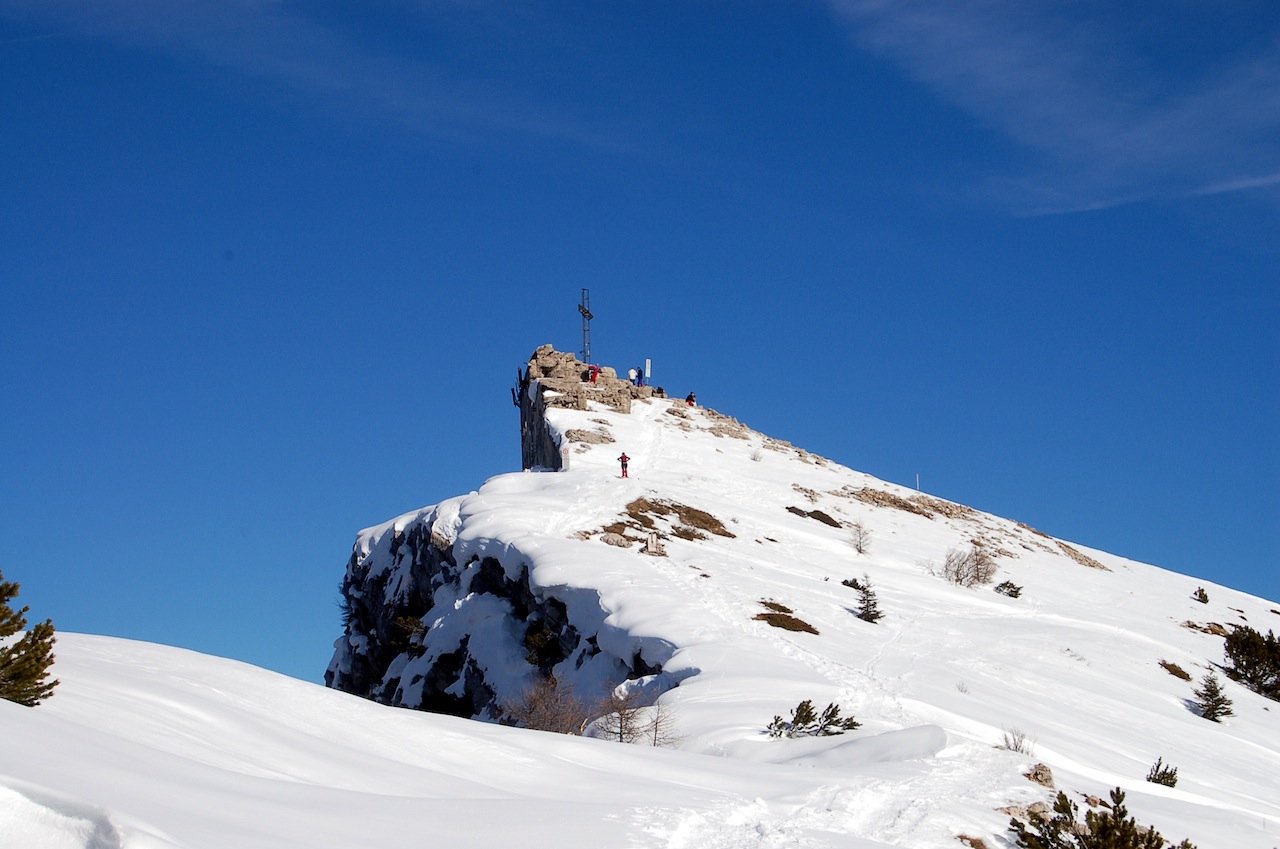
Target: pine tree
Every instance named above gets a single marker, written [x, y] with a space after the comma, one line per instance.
[1254, 660]
[1212, 702]
[868, 607]
[24, 664]
[1108, 829]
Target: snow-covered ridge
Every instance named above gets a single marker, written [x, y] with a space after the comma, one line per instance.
[460, 606]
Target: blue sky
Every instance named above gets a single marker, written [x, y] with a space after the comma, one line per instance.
[269, 268]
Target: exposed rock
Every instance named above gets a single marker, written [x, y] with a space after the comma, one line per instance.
[881, 498]
[1040, 774]
[806, 492]
[822, 517]
[950, 509]
[644, 513]
[558, 379]
[615, 539]
[1080, 557]
[1207, 628]
[591, 437]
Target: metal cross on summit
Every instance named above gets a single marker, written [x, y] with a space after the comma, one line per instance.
[585, 308]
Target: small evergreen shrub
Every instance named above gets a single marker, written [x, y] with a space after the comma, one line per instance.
[1254, 660]
[806, 722]
[1210, 700]
[1175, 670]
[1200, 595]
[868, 607]
[1009, 588]
[1161, 774]
[1107, 829]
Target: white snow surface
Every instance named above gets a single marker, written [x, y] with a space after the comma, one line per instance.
[151, 746]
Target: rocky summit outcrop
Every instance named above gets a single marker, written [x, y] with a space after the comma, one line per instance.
[558, 379]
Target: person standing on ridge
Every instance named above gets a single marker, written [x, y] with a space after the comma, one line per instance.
[691, 400]
[640, 376]
[623, 460]
[632, 375]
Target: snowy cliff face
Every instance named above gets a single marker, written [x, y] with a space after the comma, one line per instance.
[713, 578]
[432, 627]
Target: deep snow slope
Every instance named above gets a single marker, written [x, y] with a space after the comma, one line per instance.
[152, 747]
[748, 523]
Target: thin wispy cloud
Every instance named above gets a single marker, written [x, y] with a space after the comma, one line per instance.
[275, 41]
[1099, 123]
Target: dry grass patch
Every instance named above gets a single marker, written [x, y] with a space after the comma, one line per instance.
[1212, 628]
[643, 511]
[1175, 670]
[786, 622]
[1035, 531]
[781, 616]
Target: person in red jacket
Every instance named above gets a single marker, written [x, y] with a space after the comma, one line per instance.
[623, 460]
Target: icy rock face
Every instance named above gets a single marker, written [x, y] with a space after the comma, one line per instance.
[390, 582]
[426, 632]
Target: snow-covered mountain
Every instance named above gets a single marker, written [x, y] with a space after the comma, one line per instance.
[552, 573]
[711, 579]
